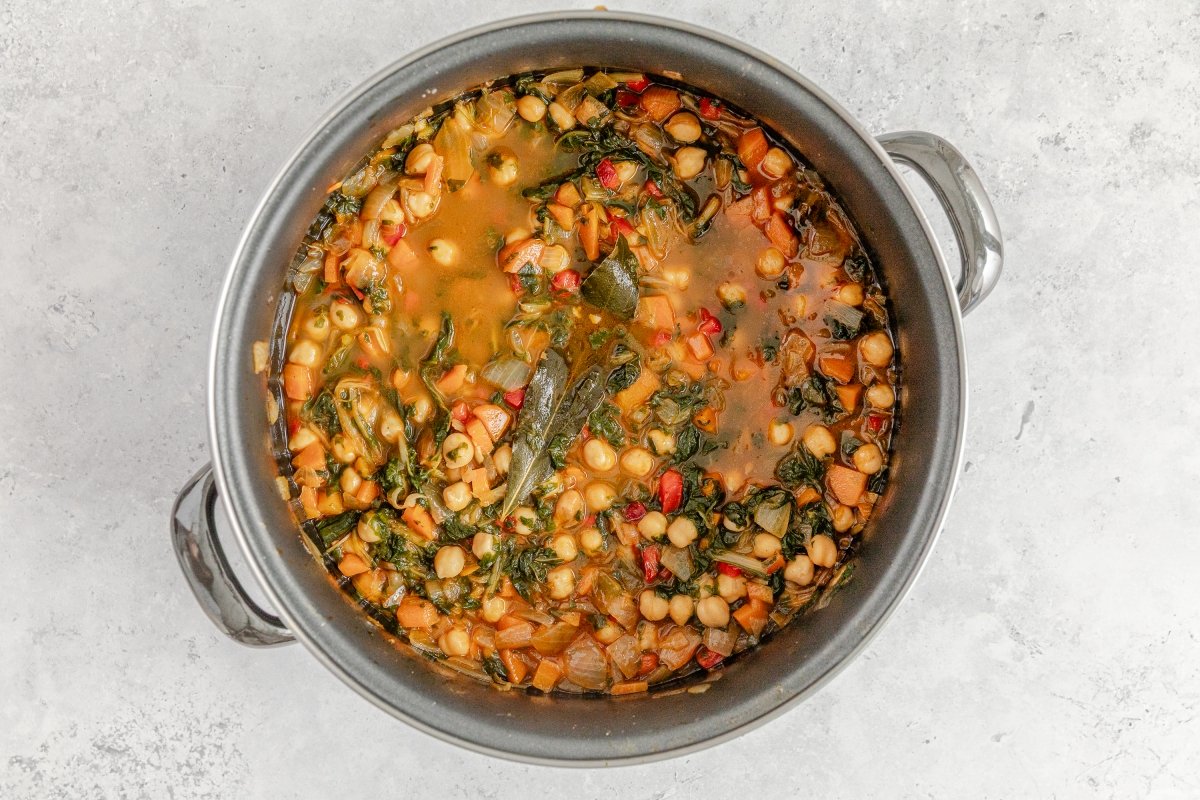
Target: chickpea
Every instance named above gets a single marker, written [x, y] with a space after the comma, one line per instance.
[422, 409]
[688, 162]
[681, 607]
[457, 450]
[591, 540]
[391, 426]
[457, 496]
[850, 293]
[521, 518]
[494, 608]
[455, 642]
[449, 561]
[880, 395]
[608, 633]
[560, 582]
[799, 571]
[502, 166]
[444, 251]
[568, 510]
[771, 263]
[564, 547]
[599, 455]
[316, 325]
[876, 349]
[731, 587]
[301, 439]
[766, 545]
[564, 120]
[868, 459]
[652, 526]
[661, 442]
[678, 277]
[419, 204]
[683, 127]
[637, 462]
[531, 108]
[706, 585]
[823, 551]
[713, 612]
[652, 606]
[400, 378]
[732, 295]
[344, 315]
[502, 459]
[842, 517]
[819, 441]
[419, 159]
[599, 496]
[776, 163]
[682, 531]
[350, 480]
[483, 545]
[392, 213]
[780, 433]
[343, 451]
[625, 170]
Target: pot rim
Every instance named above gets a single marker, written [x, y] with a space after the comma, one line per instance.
[231, 282]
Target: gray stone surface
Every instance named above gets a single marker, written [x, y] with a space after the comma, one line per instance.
[1048, 650]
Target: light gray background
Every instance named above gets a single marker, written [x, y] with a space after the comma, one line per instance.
[1049, 648]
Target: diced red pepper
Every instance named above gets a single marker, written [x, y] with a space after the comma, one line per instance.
[638, 84]
[708, 658]
[460, 412]
[566, 281]
[634, 511]
[357, 292]
[393, 233]
[619, 226]
[710, 109]
[626, 99]
[670, 490]
[651, 555]
[647, 664]
[514, 283]
[728, 569]
[293, 426]
[606, 173]
[875, 423]
[708, 323]
[652, 189]
[515, 398]
[661, 338]
[363, 362]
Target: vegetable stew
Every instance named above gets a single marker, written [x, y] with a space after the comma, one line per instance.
[589, 383]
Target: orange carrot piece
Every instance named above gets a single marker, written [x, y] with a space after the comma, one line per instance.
[417, 518]
[494, 418]
[414, 612]
[660, 102]
[297, 382]
[513, 665]
[840, 369]
[308, 501]
[846, 484]
[700, 347]
[367, 492]
[402, 254]
[547, 675]
[848, 395]
[479, 435]
[330, 504]
[639, 391]
[629, 687]
[516, 255]
[331, 268]
[654, 311]
[807, 495]
[452, 379]
[760, 205]
[563, 215]
[751, 147]
[589, 232]
[752, 616]
[352, 564]
[311, 457]
[780, 232]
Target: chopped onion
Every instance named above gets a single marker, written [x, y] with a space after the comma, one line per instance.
[678, 647]
[847, 315]
[533, 615]
[306, 267]
[362, 181]
[773, 516]
[379, 196]
[495, 111]
[719, 641]
[507, 373]
[599, 83]
[626, 655]
[564, 77]
[453, 144]
[572, 97]
[742, 562]
[650, 138]
[514, 636]
[370, 234]
[551, 641]
[585, 664]
[678, 561]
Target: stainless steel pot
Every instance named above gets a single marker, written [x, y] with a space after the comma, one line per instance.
[568, 730]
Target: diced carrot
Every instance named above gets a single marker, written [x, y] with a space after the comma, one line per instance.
[639, 391]
[571, 617]
[848, 395]
[568, 195]
[563, 215]
[589, 232]
[706, 419]
[752, 616]
[654, 311]
[308, 501]
[760, 592]
[479, 482]
[352, 564]
[331, 504]
[760, 205]
[547, 675]
[751, 147]
[509, 621]
[660, 102]
[494, 418]
[417, 518]
[297, 382]
[513, 665]
[629, 687]
[807, 495]
[780, 232]
[516, 255]
[331, 268]
[311, 457]
[699, 345]
[740, 209]
[367, 492]
[776, 564]
[415, 612]
[402, 254]
[479, 435]
[840, 369]
[846, 484]
[452, 379]
[433, 174]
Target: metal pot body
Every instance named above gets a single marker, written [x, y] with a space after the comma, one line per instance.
[569, 730]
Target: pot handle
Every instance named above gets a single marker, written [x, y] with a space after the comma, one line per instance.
[221, 596]
[965, 202]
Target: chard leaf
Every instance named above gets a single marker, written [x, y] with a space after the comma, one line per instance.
[554, 412]
[613, 284]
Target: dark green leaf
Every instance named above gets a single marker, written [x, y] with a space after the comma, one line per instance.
[799, 468]
[331, 528]
[605, 422]
[528, 566]
[321, 411]
[613, 284]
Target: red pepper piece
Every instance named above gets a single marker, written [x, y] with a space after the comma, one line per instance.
[460, 412]
[393, 233]
[363, 362]
[728, 569]
[566, 281]
[293, 426]
[875, 423]
[652, 189]
[708, 658]
[648, 663]
[515, 398]
[710, 109]
[606, 173]
[661, 338]
[708, 323]
[619, 226]
[651, 555]
[670, 490]
[626, 99]
[638, 84]
[634, 511]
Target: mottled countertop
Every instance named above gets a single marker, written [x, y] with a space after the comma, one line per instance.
[1049, 648]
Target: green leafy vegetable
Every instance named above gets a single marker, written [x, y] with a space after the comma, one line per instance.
[605, 422]
[528, 567]
[800, 467]
[613, 284]
[817, 393]
[332, 528]
[322, 412]
[432, 367]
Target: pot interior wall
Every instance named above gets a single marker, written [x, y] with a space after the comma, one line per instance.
[569, 729]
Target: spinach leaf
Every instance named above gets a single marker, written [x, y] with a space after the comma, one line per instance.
[817, 393]
[557, 449]
[623, 377]
[800, 467]
[455, 530]
[687, 444]
[331, 528]
[322, 412]
[605, 422]
[613, 284]
[493, 667]
[431, 369]
[528, 567]
[857, 267]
